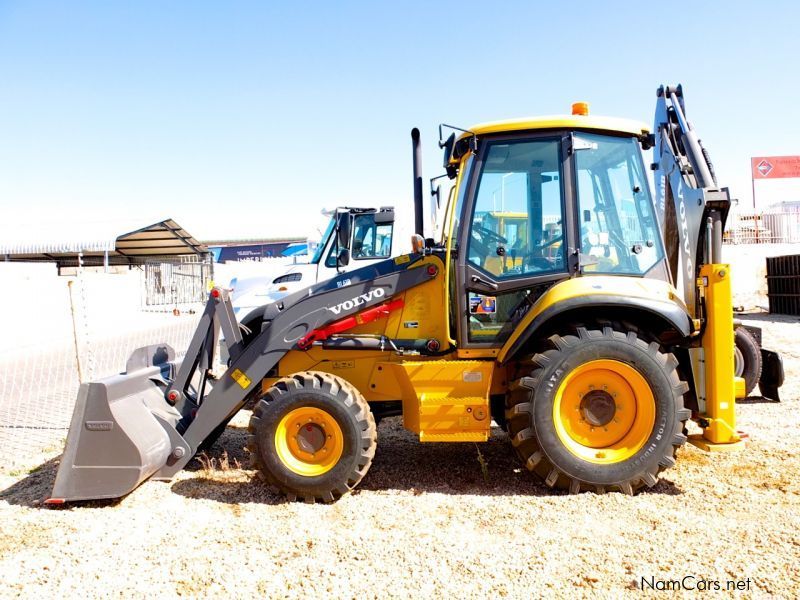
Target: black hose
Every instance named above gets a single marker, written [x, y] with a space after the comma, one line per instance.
[708, 162]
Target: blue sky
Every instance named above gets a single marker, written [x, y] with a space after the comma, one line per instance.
[243, 119]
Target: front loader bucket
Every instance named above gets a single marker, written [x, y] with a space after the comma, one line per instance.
[116, 439]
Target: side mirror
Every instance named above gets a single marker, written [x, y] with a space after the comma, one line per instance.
[343, 229]
[436, 193]
[343, 259]
[448, 149]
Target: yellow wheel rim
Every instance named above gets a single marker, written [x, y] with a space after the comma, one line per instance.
[309, 441]
[604, 411]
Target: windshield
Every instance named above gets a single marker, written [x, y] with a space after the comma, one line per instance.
[618, 229]
[318, 252]
[516, 226]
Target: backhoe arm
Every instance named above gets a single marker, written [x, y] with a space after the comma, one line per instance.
[692, 209]
[692, 212]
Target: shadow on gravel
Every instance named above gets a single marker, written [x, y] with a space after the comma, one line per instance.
[228, 490]
[33, 490]
[767, 317]
[401, 463]
[227, 452]
[756, 400]
[222, 474]
[486, 469]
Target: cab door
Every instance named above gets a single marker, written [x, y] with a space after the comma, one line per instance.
[516, 240]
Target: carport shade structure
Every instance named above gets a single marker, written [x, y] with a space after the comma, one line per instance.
[95, 245]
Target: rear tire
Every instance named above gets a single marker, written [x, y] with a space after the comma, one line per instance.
[312, 436]
[601, 409]
[748, 358]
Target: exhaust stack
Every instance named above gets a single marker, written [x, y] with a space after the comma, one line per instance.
[419, 225]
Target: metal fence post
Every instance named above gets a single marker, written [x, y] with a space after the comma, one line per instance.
[75, 332]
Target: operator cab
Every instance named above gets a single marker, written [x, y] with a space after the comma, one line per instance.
[544, 200]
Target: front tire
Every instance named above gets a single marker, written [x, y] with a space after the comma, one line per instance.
[601, 409]
[312, 436]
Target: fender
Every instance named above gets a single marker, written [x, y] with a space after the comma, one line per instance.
[595, 293]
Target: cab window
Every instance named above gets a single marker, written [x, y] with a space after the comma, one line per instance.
[516, 228]
[371, 240]
[617, 221]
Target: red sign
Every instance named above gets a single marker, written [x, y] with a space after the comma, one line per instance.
[775, 167]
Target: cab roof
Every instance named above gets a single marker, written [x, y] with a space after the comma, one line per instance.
[612, 124]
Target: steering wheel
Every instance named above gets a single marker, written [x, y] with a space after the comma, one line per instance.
[550, 243]
[542, 262]
[486, 235]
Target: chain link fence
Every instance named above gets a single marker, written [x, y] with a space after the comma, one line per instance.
[763, 228]
[61, 331]
[175, 286]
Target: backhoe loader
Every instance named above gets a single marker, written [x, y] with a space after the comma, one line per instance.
[549, 305]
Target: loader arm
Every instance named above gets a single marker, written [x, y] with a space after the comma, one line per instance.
[289, 329]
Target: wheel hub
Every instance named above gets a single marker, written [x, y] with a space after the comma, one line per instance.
[311, 438]
[738, 362]
[598, 408]
[309, 441]
[604, 411]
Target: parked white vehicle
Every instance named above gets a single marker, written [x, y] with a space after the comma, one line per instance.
[353, 238]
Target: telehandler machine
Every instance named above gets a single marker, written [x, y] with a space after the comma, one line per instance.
[550, 304]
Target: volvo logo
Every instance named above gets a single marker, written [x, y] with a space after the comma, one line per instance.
[357, 301]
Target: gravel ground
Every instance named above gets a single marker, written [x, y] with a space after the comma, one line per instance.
[426, 522]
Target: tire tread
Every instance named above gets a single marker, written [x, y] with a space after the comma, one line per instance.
[520, 402]
[341, 391]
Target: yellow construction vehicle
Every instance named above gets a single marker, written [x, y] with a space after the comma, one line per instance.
[560, 315]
